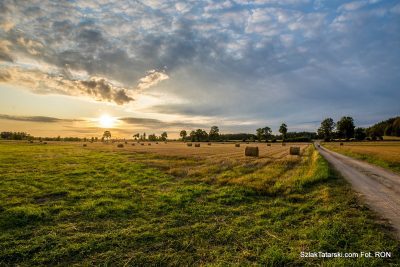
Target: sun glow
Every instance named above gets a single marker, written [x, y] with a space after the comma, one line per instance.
[106, 121]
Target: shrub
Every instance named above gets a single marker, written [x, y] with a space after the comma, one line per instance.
[120, 145]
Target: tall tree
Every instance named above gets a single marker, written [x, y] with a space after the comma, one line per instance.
[183, 134]
[283, 131]
[201, 135]
[345, 127]
[259, 133]
[192, 136]
[164, 136]
[266, 133]
[214, 133]
[326, 129]
[107, 135]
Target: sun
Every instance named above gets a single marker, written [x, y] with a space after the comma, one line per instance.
[106, 121]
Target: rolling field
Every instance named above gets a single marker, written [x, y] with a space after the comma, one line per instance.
[384, 154]
[168, 204]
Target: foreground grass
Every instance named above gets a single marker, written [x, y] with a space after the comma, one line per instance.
[66, 205]
[383, 154]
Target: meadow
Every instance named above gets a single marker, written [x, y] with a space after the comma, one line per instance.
[383, 154]
[169, 204]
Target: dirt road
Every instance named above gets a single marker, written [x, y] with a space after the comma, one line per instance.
[379, 188]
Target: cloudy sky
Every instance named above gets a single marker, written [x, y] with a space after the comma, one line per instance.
[169, 65]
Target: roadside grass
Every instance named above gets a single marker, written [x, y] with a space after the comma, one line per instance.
[68, 205]
[383, 154]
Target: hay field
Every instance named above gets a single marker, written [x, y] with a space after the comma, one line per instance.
[213, 151]
[384, 154]
[66, 204]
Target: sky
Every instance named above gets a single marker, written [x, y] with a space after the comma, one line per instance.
[76, 68]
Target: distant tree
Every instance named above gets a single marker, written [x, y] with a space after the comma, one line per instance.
[326, 129]
[183, 134]
[152, 137]
[136, 136]
[259, 134]
[214, 133]
[345, 127]
[192, 136]
[360, 134]
[96, 139]
[164, 136]
[144, 136]
[283, 131]
[201, 135]
[266, 133]
[107, 135]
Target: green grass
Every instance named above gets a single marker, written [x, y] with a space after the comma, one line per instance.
[67, 205]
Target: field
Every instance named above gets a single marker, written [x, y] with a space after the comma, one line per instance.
[384, 154]
[168, 204]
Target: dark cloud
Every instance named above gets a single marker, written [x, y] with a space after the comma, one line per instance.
[101, 89]
[34, 118]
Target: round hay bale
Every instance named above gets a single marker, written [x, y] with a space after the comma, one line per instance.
[268, 144]
[294, 150]
[283, 144]
[189, 144]
[209, 144]
[133, 144]
[30, 141]
[149, 144]
[142, 144]
[156, 143]
[120, 145]
[341, 144]
[196, 145]
[84, 145]
[247, 142]
[237, 145]
[165, 142]
[126, 143]
[45, 143]
[251, 151]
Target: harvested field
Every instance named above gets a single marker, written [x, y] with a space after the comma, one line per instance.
[384, 154]
[217, 150]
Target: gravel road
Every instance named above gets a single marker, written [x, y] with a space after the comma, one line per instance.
[379, 187]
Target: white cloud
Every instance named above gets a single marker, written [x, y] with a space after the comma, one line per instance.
[152, 78]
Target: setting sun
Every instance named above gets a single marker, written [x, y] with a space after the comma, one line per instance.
[106, 121]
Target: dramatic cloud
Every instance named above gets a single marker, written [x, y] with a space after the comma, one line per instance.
[262, 61]
[41, 83]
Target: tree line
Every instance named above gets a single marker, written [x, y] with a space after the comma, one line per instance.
[346, 129]
[329, 130]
